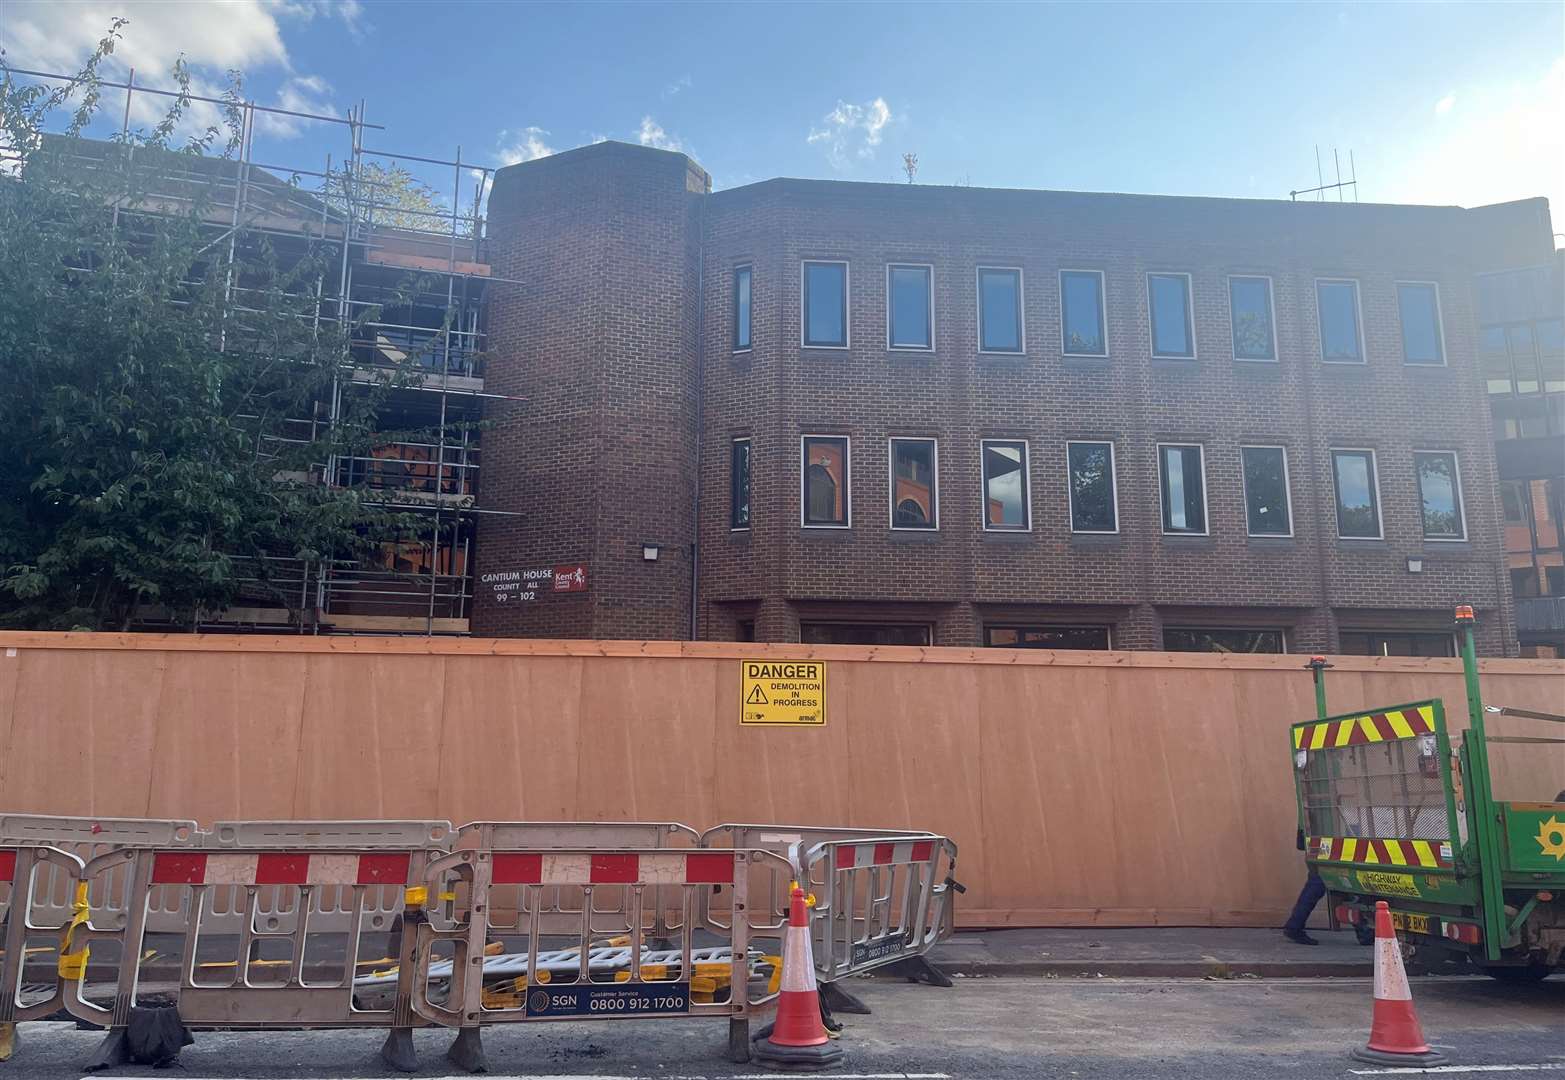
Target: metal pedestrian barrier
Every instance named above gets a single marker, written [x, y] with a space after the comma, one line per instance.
[399, 925]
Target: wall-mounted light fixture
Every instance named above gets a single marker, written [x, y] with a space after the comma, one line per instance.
[650, 552]
[1415, 564]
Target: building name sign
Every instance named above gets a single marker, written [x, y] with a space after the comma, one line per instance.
[520, 586]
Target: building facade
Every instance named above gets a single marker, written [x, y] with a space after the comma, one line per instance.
[845, 412]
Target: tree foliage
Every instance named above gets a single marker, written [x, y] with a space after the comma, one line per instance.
[160, 424]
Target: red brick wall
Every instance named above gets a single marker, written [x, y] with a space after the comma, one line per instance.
[1140, 580]
[593, 324]
[612, 241]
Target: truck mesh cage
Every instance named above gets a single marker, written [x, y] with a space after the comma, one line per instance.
[1390, 789]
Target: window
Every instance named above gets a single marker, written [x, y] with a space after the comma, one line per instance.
[863, 634]
[1551, 354]
[1440, 495]
[1213, 639]
[1418, 303]
[1181, 474]
[1524, 359]
[1395, 643]
[745, 630]
[826, 305]
[1168, 304]
[913, 495]
[909, 308]
[1000, 328]
[1524, 582]
[1082, 329]
[1496, 359]
[739, 484]
[1094, 497]
[1250, 313]
[1341, 338]
[1358, 494]
[1046, 637]
[1268, 503]
[1007, 500]
[741, 309]
[824, 504]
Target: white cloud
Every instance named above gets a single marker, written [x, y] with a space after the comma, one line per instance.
[526, 144]
[673, 88]
[1506, 142]
[1444, 105]
[243, 35]
[652, 134]
[851, 131]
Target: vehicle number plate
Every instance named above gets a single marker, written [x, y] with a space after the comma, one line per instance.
[1413, 924]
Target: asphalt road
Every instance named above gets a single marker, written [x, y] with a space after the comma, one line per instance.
[983, 1029]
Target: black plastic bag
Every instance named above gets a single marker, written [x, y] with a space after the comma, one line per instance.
[155, 1036]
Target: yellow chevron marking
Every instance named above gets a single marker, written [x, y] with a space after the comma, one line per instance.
[1350, 849]
[1318, 736]
[1298, 738]
[1425, 853]
[1427, 714]
[1344, 733]
[1369, 853]
[1394, 849]
[1400, 725]
[1371, 733]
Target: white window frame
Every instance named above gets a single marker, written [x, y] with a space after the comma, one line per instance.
[749, 442]
[847, 303]
[1271, 305]
[1206, 510]
[1456, 481]
[1287, 488]
[1103, 310]
[929, 282]
[733, 307]
[1358, 318]
[847, 478]
[1336, 498]
[1445, 358]
[1070, 494]
[983, 488]
[891, 482]
[1195, 352]
[1021, 309]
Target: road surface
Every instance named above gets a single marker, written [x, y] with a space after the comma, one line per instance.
[982, 1029]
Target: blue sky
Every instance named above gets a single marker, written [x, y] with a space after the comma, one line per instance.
[1449, 103]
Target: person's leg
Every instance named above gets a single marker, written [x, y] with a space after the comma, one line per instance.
[1309, 896]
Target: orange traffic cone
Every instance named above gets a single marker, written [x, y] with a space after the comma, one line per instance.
[798, 1041]
[1394, 1035]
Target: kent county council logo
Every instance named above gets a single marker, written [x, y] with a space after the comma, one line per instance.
[1551, 837]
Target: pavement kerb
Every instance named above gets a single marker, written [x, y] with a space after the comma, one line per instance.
[1157, 969]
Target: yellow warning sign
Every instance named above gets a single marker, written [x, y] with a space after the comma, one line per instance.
[782, 692]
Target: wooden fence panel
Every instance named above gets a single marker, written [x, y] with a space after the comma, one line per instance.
[1083, 788]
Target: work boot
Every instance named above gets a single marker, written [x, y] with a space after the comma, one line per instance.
[1299, 937]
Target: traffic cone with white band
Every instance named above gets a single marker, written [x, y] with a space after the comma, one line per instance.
[798, 1041]
[1395, 1037]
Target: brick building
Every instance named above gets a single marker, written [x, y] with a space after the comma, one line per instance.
[848, 412]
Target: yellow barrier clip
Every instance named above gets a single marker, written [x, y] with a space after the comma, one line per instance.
[73, 965]
[809, 899]
[415, 896]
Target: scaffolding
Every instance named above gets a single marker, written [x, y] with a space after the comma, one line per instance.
[436, 329]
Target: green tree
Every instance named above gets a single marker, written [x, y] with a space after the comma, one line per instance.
[161, 378]
[390, 196]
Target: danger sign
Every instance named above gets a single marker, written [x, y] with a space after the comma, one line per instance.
[782, 692]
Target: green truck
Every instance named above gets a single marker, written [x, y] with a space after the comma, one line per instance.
[1388, 812]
